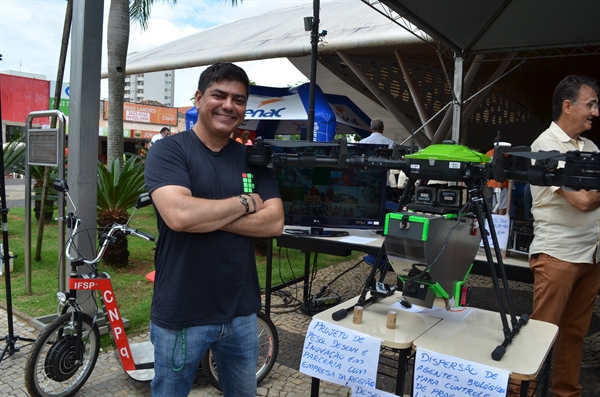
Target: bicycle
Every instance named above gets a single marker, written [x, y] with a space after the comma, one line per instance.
[64, 355]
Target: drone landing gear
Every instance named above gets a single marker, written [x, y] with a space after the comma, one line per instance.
[482, 212]
[378, 289]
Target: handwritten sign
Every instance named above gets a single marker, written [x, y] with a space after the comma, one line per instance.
[502, 227]
[360, 391]
[441, 375]
[340, 355]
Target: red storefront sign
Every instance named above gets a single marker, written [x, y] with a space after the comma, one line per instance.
[23, 95]
[139, 113]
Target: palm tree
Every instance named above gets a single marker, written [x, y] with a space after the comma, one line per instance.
[14, 155]
[118, 190]
[119, 16]
[117, 43]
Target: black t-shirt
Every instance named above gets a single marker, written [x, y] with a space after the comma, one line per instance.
[204, 278]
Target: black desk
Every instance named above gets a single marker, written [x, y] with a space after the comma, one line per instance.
[341, 246]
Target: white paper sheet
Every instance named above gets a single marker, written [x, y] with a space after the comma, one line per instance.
[357, 240]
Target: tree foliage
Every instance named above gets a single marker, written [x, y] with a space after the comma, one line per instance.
[118, 190]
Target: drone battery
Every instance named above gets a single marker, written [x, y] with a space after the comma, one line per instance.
[438, 170]
[452, 196]
[425, 194]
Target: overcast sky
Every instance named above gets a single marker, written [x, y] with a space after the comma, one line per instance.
[31, 32]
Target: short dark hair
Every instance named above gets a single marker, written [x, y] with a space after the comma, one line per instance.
[568, 89]
[377, 125]
[165, 129]
[223, 71]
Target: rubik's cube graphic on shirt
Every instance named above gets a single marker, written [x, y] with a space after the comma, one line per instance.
[248, 183]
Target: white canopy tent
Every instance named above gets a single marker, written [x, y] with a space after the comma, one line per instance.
[350, 26]
[500, 29]
[406, 77]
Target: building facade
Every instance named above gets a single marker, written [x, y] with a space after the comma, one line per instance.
[154, 86]
[21, 94]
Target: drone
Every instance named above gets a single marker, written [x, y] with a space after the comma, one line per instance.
[433, 237]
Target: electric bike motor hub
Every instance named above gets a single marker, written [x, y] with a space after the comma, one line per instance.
[64, 358]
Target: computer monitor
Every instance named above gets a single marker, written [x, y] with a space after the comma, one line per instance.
[330, 197]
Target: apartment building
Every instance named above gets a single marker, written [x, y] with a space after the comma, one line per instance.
[154, 86]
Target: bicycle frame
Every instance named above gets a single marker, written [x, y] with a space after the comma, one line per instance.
[111, 312]
[94, 281]
[64, 355]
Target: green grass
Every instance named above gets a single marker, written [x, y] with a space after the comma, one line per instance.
[133, 291]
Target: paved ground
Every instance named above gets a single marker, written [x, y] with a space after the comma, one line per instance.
[15, 192]
[109, 380]
[284, 381]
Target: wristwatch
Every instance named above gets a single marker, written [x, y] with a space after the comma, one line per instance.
[253, 201]
[244, 201]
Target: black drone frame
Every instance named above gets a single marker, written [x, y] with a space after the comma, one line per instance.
[581, 171]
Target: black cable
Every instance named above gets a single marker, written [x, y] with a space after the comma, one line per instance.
[289, 266]
[347, 270]
[298, 303]
[308, 306]
[312, 276]
[289, 300]
[284, 282]
[443, 247]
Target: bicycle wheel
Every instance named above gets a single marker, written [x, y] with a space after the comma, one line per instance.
[55, 367]
[268, 347]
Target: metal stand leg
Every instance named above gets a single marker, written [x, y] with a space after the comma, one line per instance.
[481, 209]
[403, 355]
[524, 388]
[314, 387]
[546, 373]
[11, 338]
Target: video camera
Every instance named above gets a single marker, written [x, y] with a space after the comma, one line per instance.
[447, 162]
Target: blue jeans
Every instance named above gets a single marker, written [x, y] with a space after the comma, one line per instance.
[177, 355]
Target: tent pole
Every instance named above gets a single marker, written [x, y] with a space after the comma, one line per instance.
[314, 41]
[458, 89]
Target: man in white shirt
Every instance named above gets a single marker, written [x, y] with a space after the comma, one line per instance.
[377, 138]
[377, 134]
[566, 233]
[164, 132]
